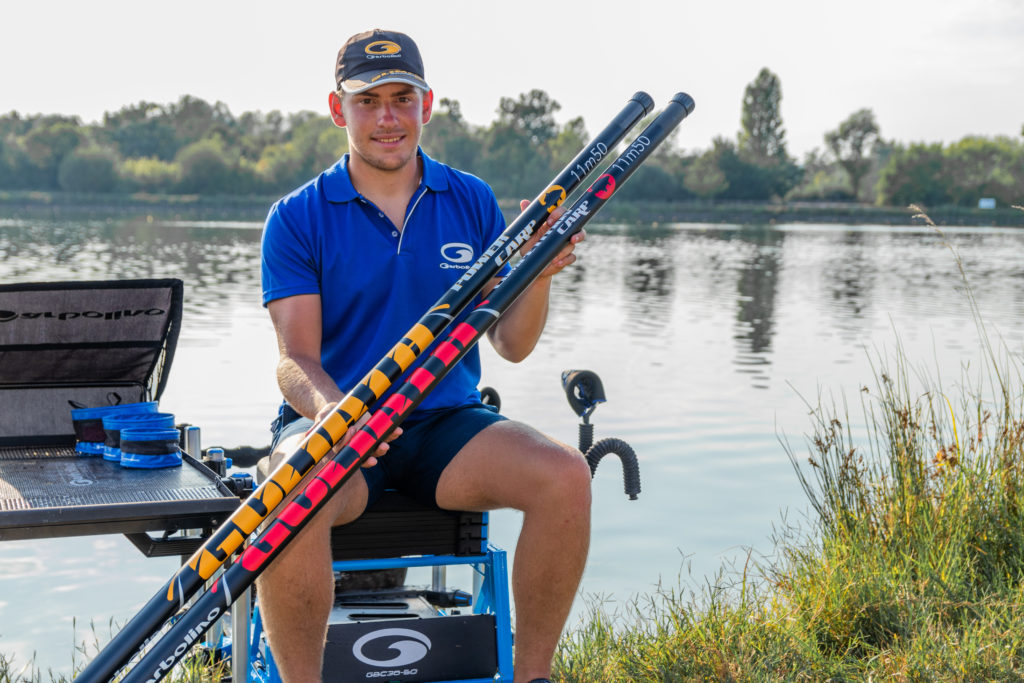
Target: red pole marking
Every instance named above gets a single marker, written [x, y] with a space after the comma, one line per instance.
[362, 442]
[464, 333]
[446, 352]
[421, 379]
[332, 473]
[252, 558]
[379, 423]
[397, 403]
[315, 491]
[278, 532]
[292, 515]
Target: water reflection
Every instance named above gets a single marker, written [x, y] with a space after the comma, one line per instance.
[649, 282]
[757, 283]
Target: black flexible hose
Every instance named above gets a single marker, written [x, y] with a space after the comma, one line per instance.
[630, 466]
[586, 438]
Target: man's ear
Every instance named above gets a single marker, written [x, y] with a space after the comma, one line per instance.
[334, 102]
[428, 105]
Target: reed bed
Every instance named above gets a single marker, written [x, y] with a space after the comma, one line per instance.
[911, 567]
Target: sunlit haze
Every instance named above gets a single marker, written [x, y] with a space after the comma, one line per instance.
[931, 70]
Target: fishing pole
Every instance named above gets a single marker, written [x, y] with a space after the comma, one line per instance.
[230, 536]
[209, 607]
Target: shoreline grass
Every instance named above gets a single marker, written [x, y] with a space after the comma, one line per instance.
[912, 568]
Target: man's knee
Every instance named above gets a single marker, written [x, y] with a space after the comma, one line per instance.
[568, 477]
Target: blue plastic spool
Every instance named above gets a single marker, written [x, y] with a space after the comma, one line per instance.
[88, 424]
[150, 448]
[115, 424]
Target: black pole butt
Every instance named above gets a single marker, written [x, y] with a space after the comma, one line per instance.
[685, 100]
[644, 100]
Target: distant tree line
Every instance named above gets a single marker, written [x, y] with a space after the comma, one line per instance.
[194, 147]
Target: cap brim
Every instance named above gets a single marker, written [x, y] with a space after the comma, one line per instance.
[372, 79]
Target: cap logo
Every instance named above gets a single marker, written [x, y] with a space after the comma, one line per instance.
[383, 47]
[389, 74]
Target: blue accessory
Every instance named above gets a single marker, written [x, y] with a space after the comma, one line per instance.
[113, 425]
[147, 448]
[88, 424]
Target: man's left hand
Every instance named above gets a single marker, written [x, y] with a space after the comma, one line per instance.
[565, 256]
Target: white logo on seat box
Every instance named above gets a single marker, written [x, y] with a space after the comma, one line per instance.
[409, 651]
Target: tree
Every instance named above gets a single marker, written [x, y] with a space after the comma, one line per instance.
[89, 169]
[258, 130]
[852, 144]
[532, 113]
[507, 159]
[449, 138]
[763, 139]
[206, 169]
[149, 175]
[146, 138]
[12, 124]
[913, 175]
[311, 145]
[564, 147]
[140, 130]
[195, 119]
[977, 167]
[823, 179]
[759, 167]
[51, 139]
[704, 178]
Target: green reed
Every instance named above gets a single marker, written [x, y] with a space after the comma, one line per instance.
[196, 668]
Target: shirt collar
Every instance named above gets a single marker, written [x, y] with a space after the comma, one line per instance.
[338, 185]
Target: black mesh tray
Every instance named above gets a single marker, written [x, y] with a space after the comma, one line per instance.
[49, 492]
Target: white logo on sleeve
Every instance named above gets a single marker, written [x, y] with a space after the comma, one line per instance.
[409, 651]
[456, 254]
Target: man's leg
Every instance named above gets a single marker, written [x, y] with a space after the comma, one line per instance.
[511, 465]
[296, 592]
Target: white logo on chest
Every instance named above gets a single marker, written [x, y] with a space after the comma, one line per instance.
[455, 254]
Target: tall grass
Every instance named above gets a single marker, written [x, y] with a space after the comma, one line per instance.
[198, 667]
[912, 569]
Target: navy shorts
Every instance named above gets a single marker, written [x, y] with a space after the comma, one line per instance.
[415, 460]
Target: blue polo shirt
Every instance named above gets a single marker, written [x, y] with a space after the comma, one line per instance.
[374, 280]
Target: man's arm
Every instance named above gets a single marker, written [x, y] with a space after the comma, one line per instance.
[301, 377]
[303, 381]
[517, 331]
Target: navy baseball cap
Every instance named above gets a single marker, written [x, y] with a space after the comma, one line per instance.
[376, 57]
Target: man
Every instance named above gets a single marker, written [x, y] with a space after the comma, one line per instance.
[350, 261]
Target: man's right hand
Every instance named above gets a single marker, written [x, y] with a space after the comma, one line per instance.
[359, 424]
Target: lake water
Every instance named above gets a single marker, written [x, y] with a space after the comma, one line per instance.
[708, 339]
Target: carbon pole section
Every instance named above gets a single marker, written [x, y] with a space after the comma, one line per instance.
[230, 536]
[214, 603]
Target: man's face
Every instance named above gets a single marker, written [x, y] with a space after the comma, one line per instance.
[384, 123]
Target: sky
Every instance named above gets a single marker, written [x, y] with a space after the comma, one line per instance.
[930, 70]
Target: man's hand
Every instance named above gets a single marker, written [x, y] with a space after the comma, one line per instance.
[359, 424]
[566, 256]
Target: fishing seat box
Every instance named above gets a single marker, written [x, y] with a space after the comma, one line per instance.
[91, 343]
[373, 612]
